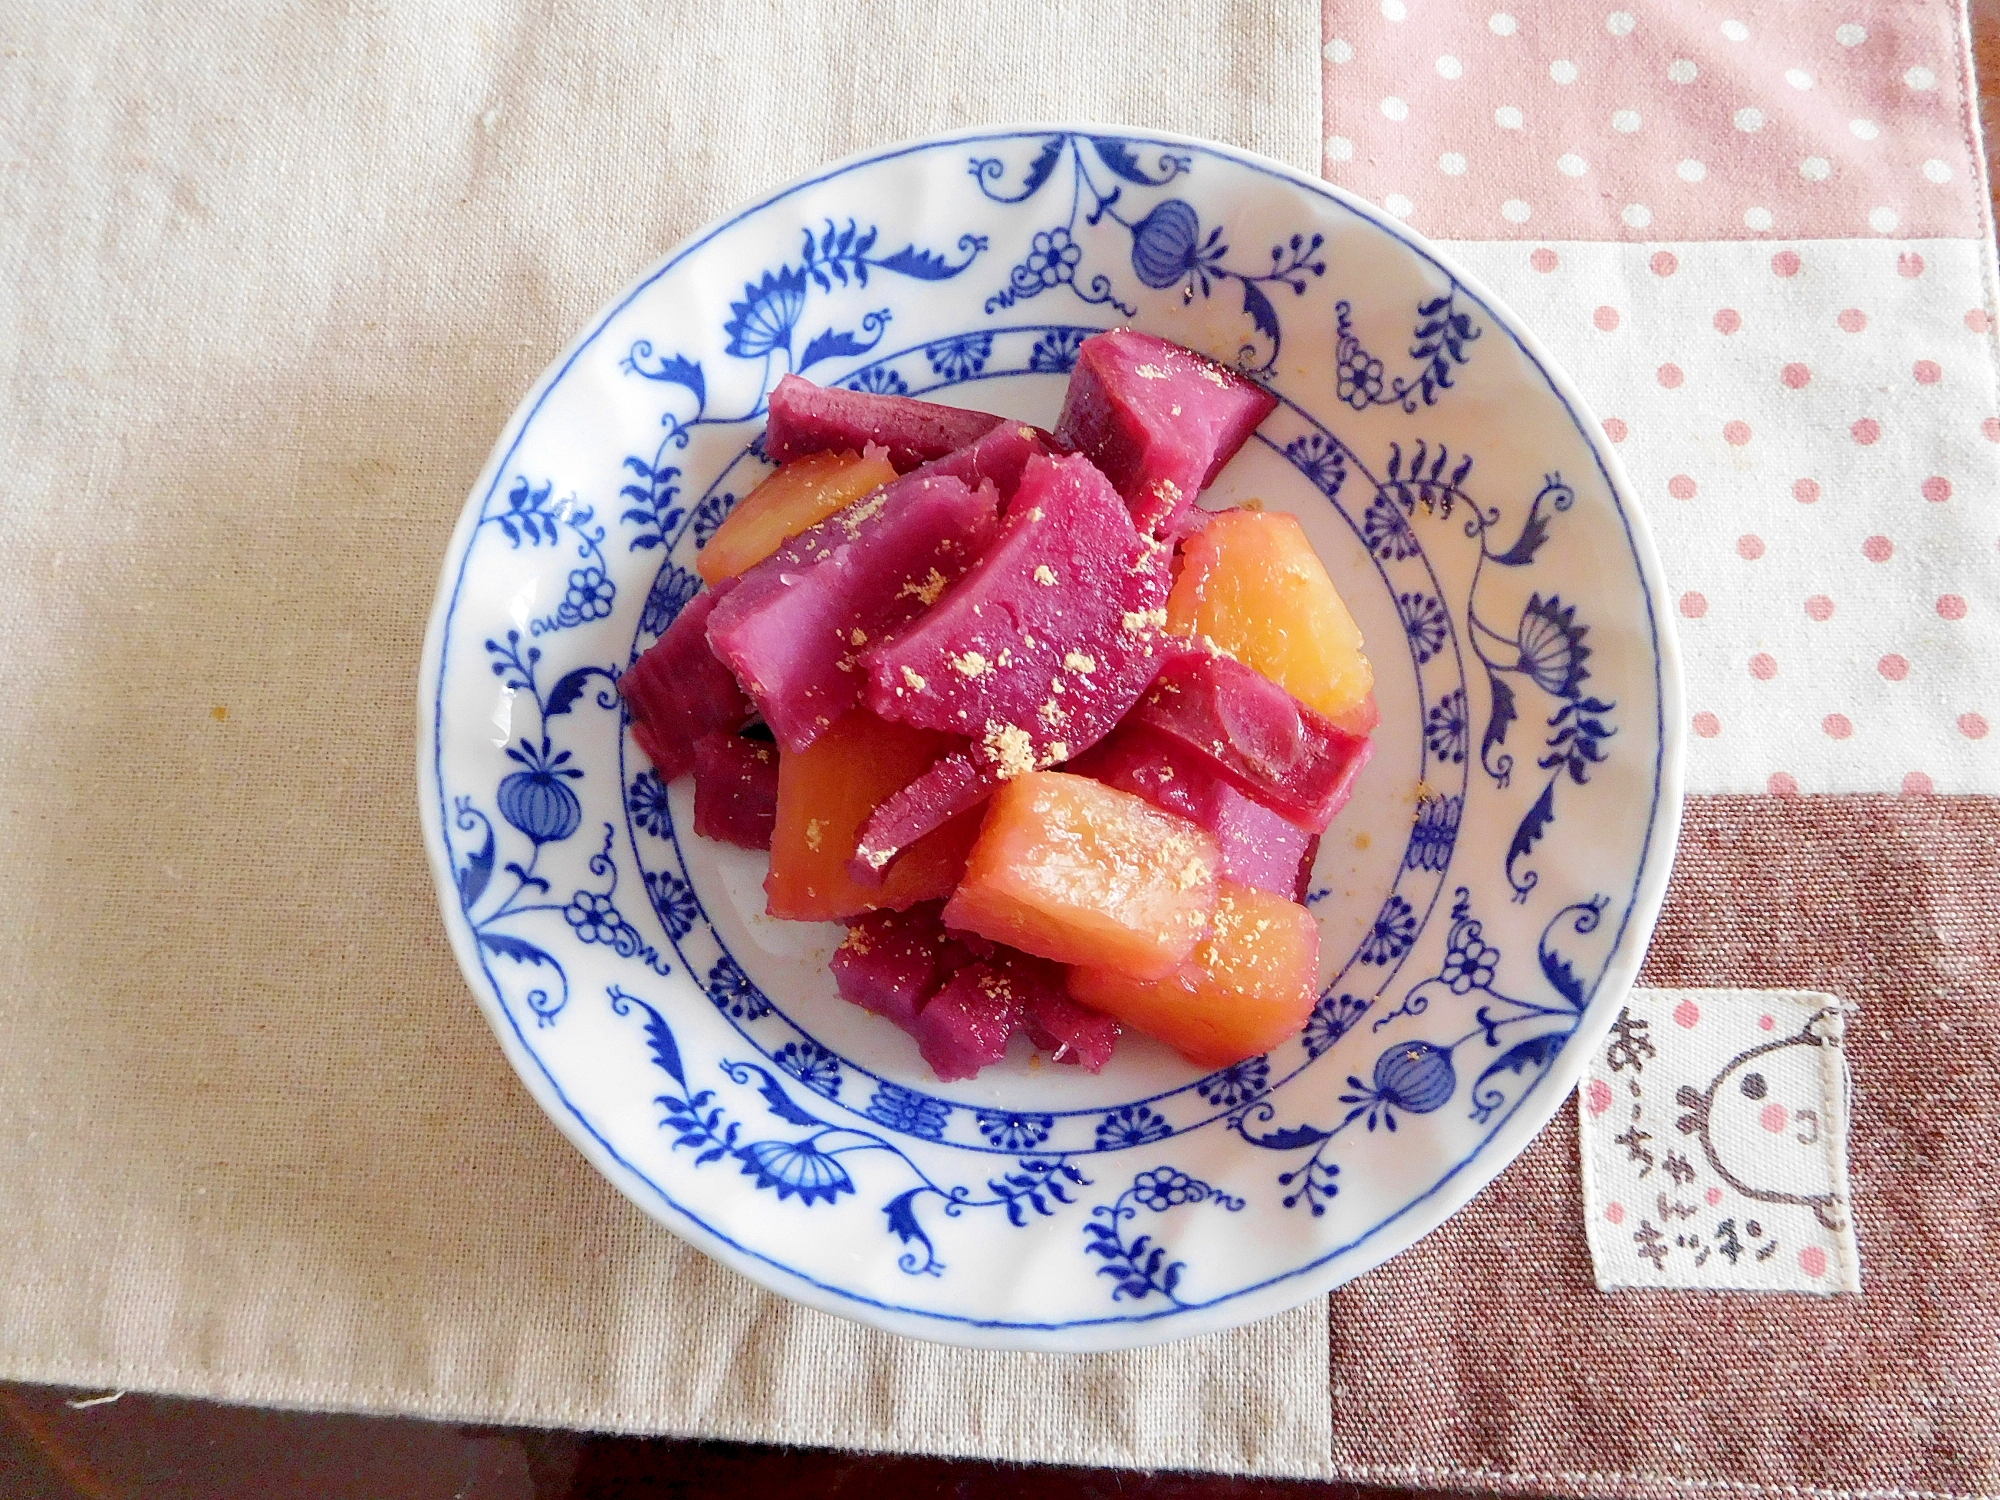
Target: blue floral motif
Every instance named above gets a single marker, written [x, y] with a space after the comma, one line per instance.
[763, 321]
[813, 1066]
[588, 596]
[908, 1111]
[1387, 531]
[534, 518]
[809, 1167]
[1236, 1083]
[1548, 651]
[646, 801]
[788, 1167]
[1332, 1018]
[1140, 1269]
[1415, 1077]
[1014, 1132]
[1321, 459]
[1052, 257]
[733, 993]
[1169, 247]
[1435, 833]
[709, 515]
[1551, 646]
[538, 800]
[1055, 352]
[594, 917]
[1130, 1125]
[1426, 623]
[878, 380]
[1445, 728]
[960, 357]
[1470, 961]
[672, 589]
[674, 900]
[1439, 341]
[1169, 1187]
[1358, 378]
[1394, 931]
[764, 325]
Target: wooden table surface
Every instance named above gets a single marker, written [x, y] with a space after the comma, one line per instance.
[61, 1445]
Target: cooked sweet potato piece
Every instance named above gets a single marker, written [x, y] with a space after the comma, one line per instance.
[1159, 420]
[1250, 584]
[825, 794]
[1249, 984]
[797, 497]
[1069, 869]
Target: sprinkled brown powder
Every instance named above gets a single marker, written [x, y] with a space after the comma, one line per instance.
[1010, 750]
[925, 592]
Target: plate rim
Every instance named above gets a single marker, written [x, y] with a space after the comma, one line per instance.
[1278, 1293]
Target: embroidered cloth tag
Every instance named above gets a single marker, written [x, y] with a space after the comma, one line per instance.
[1714, 1137]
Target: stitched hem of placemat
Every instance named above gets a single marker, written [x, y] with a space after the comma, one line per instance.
[1975, 142]
[1591, 1481]
[429, 1406]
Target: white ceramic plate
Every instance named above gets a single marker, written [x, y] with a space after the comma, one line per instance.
[1484, 901]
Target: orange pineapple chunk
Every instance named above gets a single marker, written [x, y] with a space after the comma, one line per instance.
[1248, 985]
[1251, 583]
[1072, 870]
[796, 498]
[825, 794]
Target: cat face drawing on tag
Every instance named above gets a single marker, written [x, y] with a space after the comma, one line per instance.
[1762, 1121]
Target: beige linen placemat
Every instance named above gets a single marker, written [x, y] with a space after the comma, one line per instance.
[270, 283]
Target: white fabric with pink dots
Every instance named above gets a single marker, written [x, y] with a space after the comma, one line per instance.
[1714, 1128]
[1809, 431]
[1757, 236]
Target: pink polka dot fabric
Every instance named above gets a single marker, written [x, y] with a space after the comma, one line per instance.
[1657, 121]
[1756, 234]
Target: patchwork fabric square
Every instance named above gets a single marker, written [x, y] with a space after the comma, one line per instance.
[1714, 1140]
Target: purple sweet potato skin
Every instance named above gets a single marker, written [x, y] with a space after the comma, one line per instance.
[1159, 420]
[677, 692]
[891, 962]
[1048, 638]
[735, 790]
[1260, 847]
[807, 418]
[967, 1024]
[1258, 736]
[795, 625]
